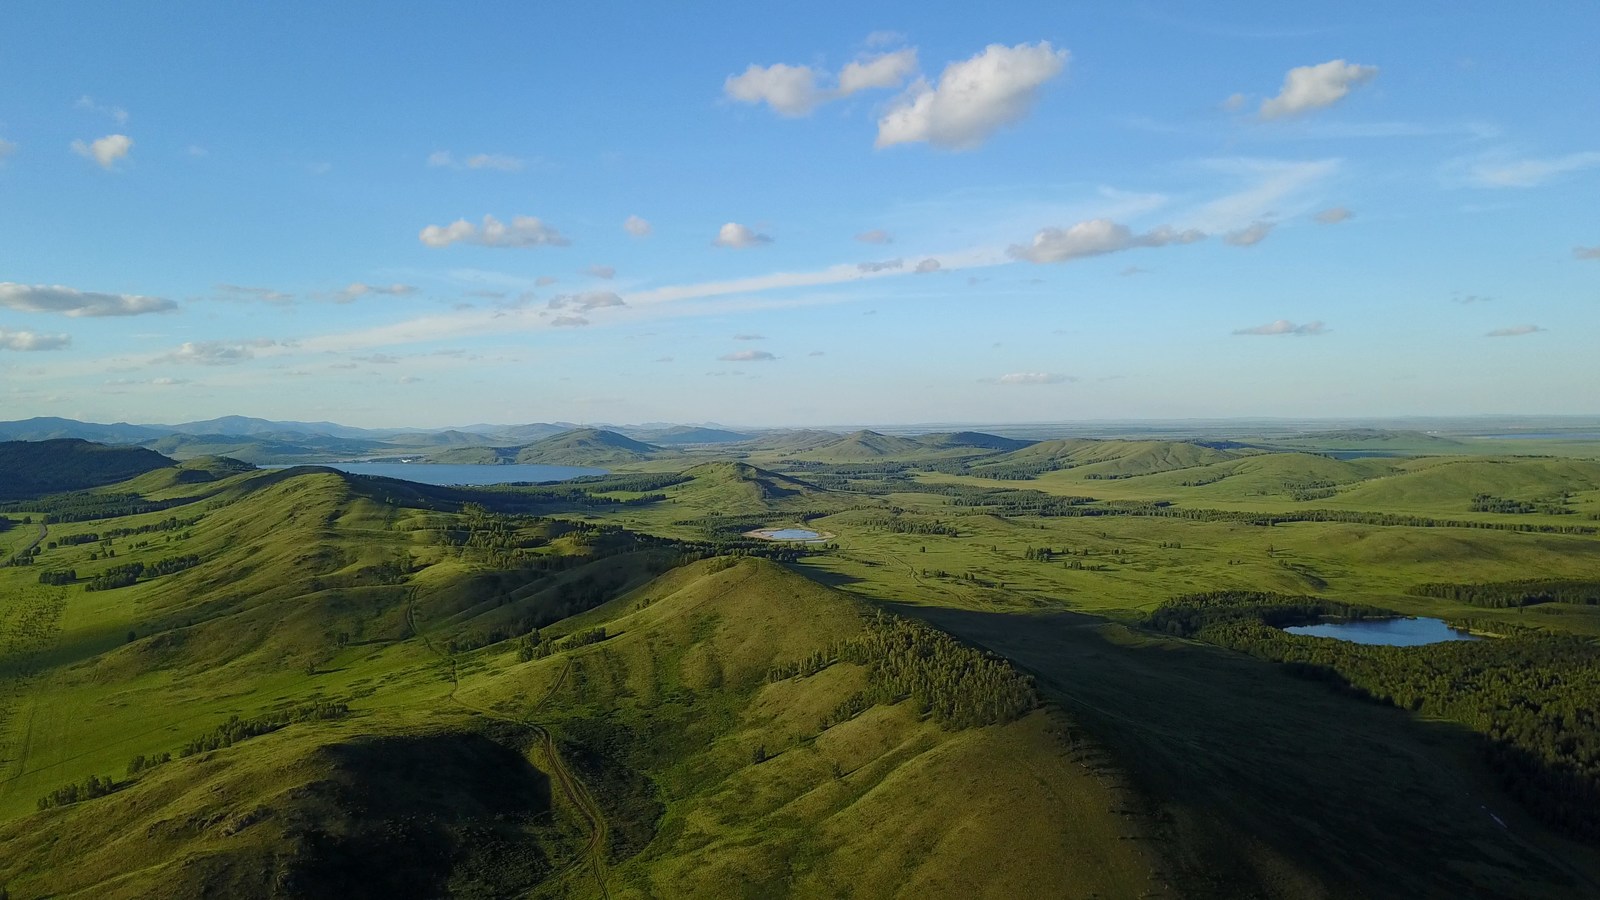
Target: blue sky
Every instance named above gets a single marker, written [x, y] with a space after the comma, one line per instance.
[431, 214]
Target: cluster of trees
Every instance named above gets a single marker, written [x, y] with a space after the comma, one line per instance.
[1534, 696]
[141, 763]
[896, 524]
[170, 523]
[130, 573]
[956, 685]
[236, 729]
[58, 579]
[1188, 615]
[88, 789]
[24, 557]
[1556, 506]
[84, 506]
[72, 540]
[1508, 594]
[532, 646]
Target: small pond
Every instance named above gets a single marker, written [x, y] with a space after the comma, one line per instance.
[788, 534]
[1392, 632]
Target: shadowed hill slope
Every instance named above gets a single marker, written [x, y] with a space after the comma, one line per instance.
[32, 468]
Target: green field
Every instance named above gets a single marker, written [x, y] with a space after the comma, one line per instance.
[602, 689]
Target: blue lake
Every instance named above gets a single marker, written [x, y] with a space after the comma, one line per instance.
[1391, 632]
[438, 473]
[792, 534]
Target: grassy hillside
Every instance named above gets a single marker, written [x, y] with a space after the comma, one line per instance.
[739, 489]
[684, 434]
[585, 447]
[1100, 459]
[974, 439]
[33, 468]
[861, 445]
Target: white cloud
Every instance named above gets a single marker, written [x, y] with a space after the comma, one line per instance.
[319, 168]
[636, 226]
[1250, 236]
[6, 148]
[545, 280]
[816, 353]
[1306, 88]
[1094, 238]
[739, 236]
[1333, 215]
[586, 301]
[1234, 102]
[1284, 326]
[1586, 252]
[168, 382]
[747, 356]
[76, 303]
[32, 340]
[1469, 299]
[749, 337]
[884, 38]
[789, 90]
[1034, 378]
[441, 159]
[105, 151]
[928, 265]
[116, 113]
[215, 353]
[357, 289]
[973, 99]
[875, 236]
[599, 271]
[1515, 331]
[569, 321]
[409, 379]
[884, 71]
[523, 231]
[1503, 173]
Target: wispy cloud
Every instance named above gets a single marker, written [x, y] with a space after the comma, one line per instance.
[1501, 172]
[747, 356]
[76, 303]
[636, 226]
[1283, 327]
[215, 353]
[1514, 331]
[1031, 378]
[357, 290]
[499, 162]
[1249, 237]
[796, 91]
[599, 271]
[586, 301]
[116, 113]
[749, 337]
[1096, 237]
[875, 236]
[28, 341]
[1586, 252]
[1333, 215]
[245, 292]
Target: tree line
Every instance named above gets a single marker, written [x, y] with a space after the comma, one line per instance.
[1510, 594]
[1533, 695]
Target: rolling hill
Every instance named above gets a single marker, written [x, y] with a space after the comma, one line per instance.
[1101, 459]
[33, 468]
[862, 445]
[971, 439]
[738, 489]
[685, 434]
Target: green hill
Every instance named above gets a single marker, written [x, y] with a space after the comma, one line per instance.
[585, 447]
[1100, 459]
[971, 439]
[738, 489]
[34, 468]
[379, 726]
[265, 449]
[862, 445]
[686, 434]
